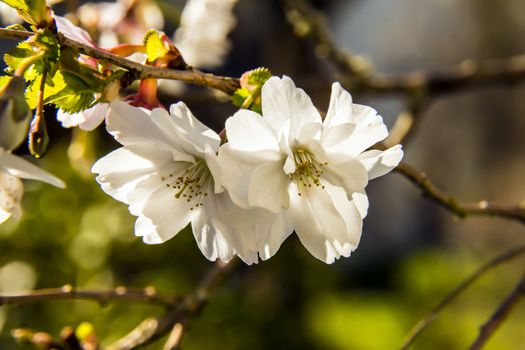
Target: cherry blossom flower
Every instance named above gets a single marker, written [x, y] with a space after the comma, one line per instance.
[12, 169]
[291, 161]
[123, 21]
[168, 173]
[204, 27]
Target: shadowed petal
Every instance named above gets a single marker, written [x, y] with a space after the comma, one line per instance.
[20, 167]
[379, 163]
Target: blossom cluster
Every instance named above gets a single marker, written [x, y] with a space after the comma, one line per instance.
[283, 171]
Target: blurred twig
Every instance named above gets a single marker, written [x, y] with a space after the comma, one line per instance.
[153, 328]
[310, 23]
[451, 203]
[420, 87]
[488, 329]
[462, 210]
[425, 322]
[147, 295]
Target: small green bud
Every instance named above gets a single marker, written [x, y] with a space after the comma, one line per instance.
[38, 137]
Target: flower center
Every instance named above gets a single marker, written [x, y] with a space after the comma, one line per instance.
[193, 185]
[308, 169]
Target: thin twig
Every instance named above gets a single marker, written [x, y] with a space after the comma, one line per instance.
[310, 23]
[462, 210]
[175, 337]
[147, 295]
[152, 329]
[227, 85]
[492, 325]
[425, 322]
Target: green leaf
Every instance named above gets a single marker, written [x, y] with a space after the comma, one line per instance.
[155, 47]
[19, 5]
[239, 96]
[75, 96]
[259, 76]
[249, 94]
[15, 57]
[4, 80]
[35, 12]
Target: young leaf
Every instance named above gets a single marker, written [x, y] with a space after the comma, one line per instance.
[35, 12]
[155, 47]
[75, 96]
[249, 94]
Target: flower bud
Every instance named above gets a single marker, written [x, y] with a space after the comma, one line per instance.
[38, 137]
[14, 114]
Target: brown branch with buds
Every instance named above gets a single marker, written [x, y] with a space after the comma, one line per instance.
[227, 85]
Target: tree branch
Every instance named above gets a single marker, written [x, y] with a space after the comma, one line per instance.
[147, 295]
[310, 23]
[152, 329]
[425, 322]
[227, 85]
[490, 327]
[462, 210]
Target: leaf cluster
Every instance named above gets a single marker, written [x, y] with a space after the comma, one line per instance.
[248, 96]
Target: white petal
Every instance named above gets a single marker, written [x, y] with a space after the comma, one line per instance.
[131, 125]
[251, 232]
[269, 187]
[352, 212]
[168, 214]
[335, 135]
[278, 228]
[282, 101]
[69, 120]
[369, 129]
[11, 191]
[20, 167]
[248, 131]
[237, 168]
[4, 215]
[146, 229]
[360, 200]
[207, 232]
[94, 116]
[190, 133]
[378, 163]
[121, 170]
[348, 173]
[212, 161]
[71, 31]
[319, 225]
[340, 110]
[87, 119]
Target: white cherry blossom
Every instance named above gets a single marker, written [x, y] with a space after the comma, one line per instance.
[204, 27]
[291, 161]
[168, 173]
[12, 169]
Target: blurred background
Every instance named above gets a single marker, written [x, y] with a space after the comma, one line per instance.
[412, 252]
